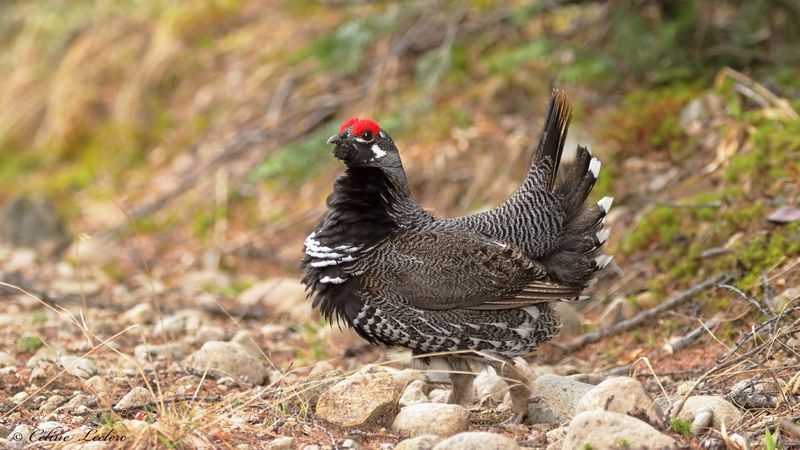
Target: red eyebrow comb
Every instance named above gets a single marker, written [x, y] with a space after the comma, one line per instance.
[360, 126]
[346, 124]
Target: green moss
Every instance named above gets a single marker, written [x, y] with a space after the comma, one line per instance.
[660, 224]
[115, 272]
[744, 164]
[648, 120]
[741, 217]
[681, 426]
[657, 287]
[38, 318]
[29, 344]
[720, 303]
[773, 156]
[670, 326]
[765, 251]
[728, 333]
[652, 343]
[684, 262]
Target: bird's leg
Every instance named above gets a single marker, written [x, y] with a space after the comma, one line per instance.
[462, 393]
[461, 377]
[518, 389]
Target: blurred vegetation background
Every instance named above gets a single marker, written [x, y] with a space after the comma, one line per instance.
[199, 127]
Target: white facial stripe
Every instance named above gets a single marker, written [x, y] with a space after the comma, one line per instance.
[377, 152]
[383, 135]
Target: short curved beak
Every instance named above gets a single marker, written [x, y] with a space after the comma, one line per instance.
[337, 139]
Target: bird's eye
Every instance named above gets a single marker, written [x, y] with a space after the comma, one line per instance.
[367, 135]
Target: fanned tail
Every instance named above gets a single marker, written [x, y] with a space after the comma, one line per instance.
[578, 256]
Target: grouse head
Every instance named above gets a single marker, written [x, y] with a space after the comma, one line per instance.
[362, 143]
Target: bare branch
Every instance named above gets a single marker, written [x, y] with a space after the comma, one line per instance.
[625, 325]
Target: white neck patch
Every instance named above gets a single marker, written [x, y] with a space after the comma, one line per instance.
[378, 152]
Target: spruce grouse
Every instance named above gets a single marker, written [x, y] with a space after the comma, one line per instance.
[465, 289]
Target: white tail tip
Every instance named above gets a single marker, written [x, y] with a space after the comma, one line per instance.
[605, 203]
[594, 167]
[602, 235]
[602, 261]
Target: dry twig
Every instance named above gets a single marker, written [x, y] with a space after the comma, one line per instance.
[625, 325]
[689, 337]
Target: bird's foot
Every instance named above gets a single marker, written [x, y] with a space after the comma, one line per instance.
[515, 419]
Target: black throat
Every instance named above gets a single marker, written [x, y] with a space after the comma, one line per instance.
[367, 205]
[361, 208]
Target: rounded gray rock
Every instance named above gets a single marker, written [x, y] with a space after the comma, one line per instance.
[404, 377]
[146, 352]
[623, 395]
[558, 398]
[424, 442]
[33, 221]
[414, 393]
[431, 418]
[439, 395]
[722, 410]
[322, 377]
[229, 359]
[7, 360]
[478, 440]
[366, 398]
[183, 321]
[606, 429]
[136, 397]
[281, 443]
[140, 314]
[248, 342]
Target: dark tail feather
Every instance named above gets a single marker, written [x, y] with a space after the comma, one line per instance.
[551, 144]
[576, 180]
[579, 257]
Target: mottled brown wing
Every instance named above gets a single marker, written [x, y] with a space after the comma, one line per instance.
[457, 269]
